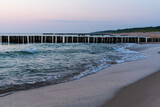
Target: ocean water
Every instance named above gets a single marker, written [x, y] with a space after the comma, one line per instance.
[26, 66]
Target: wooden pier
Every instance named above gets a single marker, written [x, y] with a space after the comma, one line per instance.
[72, 38]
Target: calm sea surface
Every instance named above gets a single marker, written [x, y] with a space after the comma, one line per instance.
[35, 65]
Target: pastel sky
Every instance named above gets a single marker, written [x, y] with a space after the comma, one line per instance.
[76, 15]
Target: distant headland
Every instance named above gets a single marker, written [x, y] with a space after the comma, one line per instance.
[132, 30]
[141, 31]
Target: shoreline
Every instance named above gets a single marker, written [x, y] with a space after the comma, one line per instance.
[93, 90]
[14, 88]
[143, 93]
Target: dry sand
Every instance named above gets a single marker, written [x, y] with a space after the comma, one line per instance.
[150, 34]
[90, 91]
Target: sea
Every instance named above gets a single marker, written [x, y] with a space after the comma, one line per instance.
[27, 66]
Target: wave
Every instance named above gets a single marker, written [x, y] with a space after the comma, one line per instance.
[30, 51]
[45, 64]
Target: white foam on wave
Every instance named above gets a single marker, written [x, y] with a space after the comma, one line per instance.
[30, 51]
[90, 71]
[129, 56]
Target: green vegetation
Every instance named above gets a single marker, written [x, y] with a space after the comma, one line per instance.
[129, 30]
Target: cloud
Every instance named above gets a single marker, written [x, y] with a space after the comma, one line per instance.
[77, 21]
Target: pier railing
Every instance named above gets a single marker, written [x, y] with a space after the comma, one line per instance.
[23, 38]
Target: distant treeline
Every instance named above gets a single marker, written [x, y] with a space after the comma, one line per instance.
[128, 30]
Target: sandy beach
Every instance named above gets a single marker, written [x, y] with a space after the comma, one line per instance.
[143, 93]
[149, 34]
[96, 89]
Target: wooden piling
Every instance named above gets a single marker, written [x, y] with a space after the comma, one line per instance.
[69, 38]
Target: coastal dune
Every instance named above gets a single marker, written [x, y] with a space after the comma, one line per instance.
[91, 91]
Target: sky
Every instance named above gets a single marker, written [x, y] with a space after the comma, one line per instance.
[39, 16]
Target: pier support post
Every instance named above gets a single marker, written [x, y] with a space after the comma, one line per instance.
[108, 40]
[55, 39]
[67, 39]
[45, 39]
[23, 39]
[134, 39]
[33, 39]
[138, 40]
[52, 39]
[28, 39]
[121, 39]
[93, 40]
[8, 39]
[77, 39]
[101, 39]
[41, 39]
[63, 39]
[0, 39]
[85, 39]
[72, 39]
[146, 40]
[124, 40]
[116, 39]
[128, 40]
[88, 39]
[152, 39]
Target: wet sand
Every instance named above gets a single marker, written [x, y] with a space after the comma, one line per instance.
[144, 93]
[91, 91]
